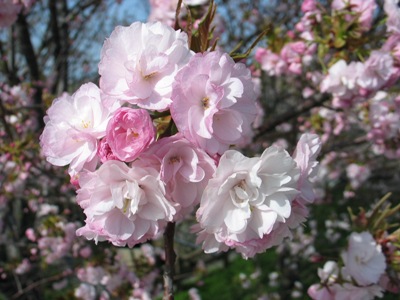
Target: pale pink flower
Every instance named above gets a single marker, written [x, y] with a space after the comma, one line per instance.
[270, 62]
[319, 292]
[350, 291]
[165, 10]
[73, 126]
[85, 291]
[384, 123]
[329, 273]
[292, 54]
[308, 5]
[24, 267]
[214, 102]
[129, 132]
[363, 259]
[363, 8]
[305, 156]
[341, 80]
[124, 205]
[184, 168]
[246, 198]
[357, 174]
[8, 12]
[377, 70]
[392, 10]
[138, 63]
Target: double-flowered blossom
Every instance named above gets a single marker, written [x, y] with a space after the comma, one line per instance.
[214, 102]
[363, 259]
[138, 64]
[248, 198]
[123, 205]
[129, 132]
[184, 168]
[74, 124]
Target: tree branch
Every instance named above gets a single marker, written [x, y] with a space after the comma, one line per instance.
[170, 257]
[288, 115]
[28, 52]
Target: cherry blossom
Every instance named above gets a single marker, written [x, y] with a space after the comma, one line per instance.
[124, 205]
[392, 10]
[73, 126]
[138, 63]
[363, 259]
[364, 10]
[129, 132]
[214, 102]
[184, 168]
[246, 198]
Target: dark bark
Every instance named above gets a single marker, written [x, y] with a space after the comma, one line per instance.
[26, 49]
[170, 257]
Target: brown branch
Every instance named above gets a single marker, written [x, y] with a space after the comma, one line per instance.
[28, 52]
[38, 283]
[288, 115]
[170, 257]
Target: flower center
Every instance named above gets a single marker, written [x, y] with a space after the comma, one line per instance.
[132, 133]
[205, 102]
[174, 159]
[85, 124]
[149, 76]
[240, 194]
[127, 204]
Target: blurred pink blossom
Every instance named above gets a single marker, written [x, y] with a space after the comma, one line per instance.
[363, 259]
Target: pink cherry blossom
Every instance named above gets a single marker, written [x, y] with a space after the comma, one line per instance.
[363, 8]
[308, 5]
[392, 9]
[214, 102]
[305, 156]
[357, 174]
[270, 62]
[245, 200]
[341, 80]
[138, 63]
[363, 259]
[8, 12]
[124, 205]
[129, 132]
[184, 168]
[292, 54]
[73, 126]
[377, 70]
[319, 292]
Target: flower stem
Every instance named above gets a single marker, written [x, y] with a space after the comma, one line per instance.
[170, 257]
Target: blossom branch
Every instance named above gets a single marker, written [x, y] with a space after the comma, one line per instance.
[290, 114]
[170, 257]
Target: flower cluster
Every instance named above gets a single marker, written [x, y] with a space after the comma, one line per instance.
[153, 141]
